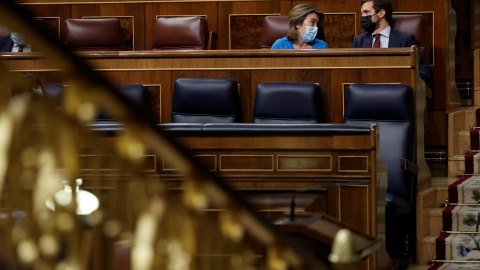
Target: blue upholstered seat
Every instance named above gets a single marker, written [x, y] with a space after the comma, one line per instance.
[285, 102]
[391, 106]
[55, 92]
[206, 100]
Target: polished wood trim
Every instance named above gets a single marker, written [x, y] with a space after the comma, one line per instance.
[152, 158]
[398, 58]
[73, 2]
[476, 78]
[240, 15]
[405, 53]
[344, 13]
[346, 157]
[305, 156]
[56, 18]
[221, 169]
[159, 97]
[164, 168]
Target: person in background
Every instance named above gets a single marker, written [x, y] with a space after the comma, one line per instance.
[28, 88]
[376, 20]
[303, 22]
[15, 42]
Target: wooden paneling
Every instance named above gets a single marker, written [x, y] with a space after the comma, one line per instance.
[304, 163]
[53, 14]
[269, 190]
[246, 163]
[339, 30]
[208, 161]
[246, 31]
[152, 10]
[229, 9]
[353, 163]
[52, 24]
[435, 127]
[355, 204]
[155, 95]
[131, 18]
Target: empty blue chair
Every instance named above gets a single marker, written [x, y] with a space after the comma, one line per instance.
[55, 92]
[136, 93]
[298, 103]
[391, 106]
[206, 100]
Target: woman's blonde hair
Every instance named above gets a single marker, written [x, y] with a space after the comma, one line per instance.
[297, 16]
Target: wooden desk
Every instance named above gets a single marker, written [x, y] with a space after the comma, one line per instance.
[338, 163]
[332, 69]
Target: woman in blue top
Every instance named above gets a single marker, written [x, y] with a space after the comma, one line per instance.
[303, 22]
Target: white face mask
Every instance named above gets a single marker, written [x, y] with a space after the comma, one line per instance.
[17, 39]
[310, 33]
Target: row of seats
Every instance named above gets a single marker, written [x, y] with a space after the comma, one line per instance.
[174, 33]
[216, 101]
[212, 100]
[170, 33]
[390, 106]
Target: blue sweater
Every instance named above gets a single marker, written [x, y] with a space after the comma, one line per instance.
[284, 43]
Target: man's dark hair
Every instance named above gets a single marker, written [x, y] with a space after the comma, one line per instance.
[382, 4]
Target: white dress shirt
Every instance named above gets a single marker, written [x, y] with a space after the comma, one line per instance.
[384, 37]
[26, 48]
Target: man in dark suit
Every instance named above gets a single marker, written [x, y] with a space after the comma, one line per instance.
[6, 44]
[15, 42]
[376, 20]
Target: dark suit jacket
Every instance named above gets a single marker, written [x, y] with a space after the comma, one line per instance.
[397, 39]
[6, 44]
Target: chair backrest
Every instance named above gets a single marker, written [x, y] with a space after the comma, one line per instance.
[134, 92]
[180, 33]
[274, 27]
[284, 102]
[206, 100]
[416, 25]
[391, 106]
[55, 92]
[102, 34]
[137, 93]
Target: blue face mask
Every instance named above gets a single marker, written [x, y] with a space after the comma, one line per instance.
[17, 39]
[310, 33]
